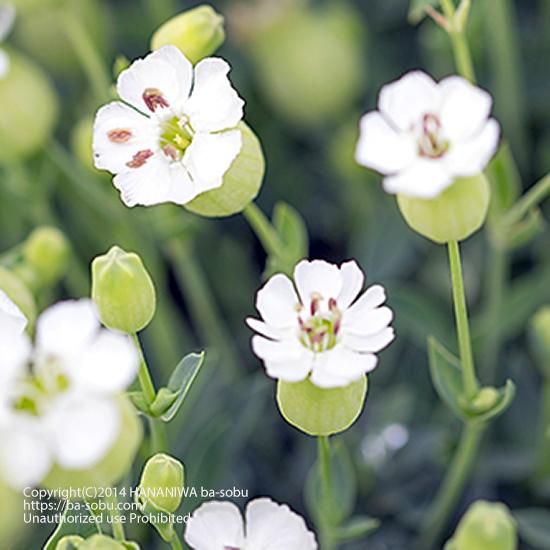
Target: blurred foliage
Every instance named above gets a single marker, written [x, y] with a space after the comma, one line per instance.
[306, 81]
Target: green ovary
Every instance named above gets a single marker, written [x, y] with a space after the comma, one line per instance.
[176, 138]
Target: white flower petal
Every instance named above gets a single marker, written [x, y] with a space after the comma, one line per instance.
[381, 147]
[83, 429]
[469, 158]
[371, 343]
[25, 458]
[317, 277]
[404, 101]
[215, 526]
[156, 182]
[7, 18]
[290, 371]
[276, 302]
[464, 109]
[120, 132]
[66, 328]
[4, 64]
[425, 179]
[210, 156]
[14, 354]
[352, 283]
[108, 365]
[341, 366]
[166, 72]
[12, 320]
[272, 526]
[367, 322]
[373, 297]
[278, 352]
[214, 104]
[269, 331]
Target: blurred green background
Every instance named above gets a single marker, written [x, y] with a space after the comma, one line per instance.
[307, 72]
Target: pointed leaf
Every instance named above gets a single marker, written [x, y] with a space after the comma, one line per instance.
[357, 528]
[71, 524]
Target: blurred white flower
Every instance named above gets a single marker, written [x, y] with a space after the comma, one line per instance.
[175, 136]
[322, 330]
[7, 17]
[63, 408]
[426, 134]
[219, 526]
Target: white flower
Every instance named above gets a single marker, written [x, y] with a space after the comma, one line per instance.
[64, 410]
[426, 134]
[269, 526]
[7, 17]
[175, 136]
[322, 331]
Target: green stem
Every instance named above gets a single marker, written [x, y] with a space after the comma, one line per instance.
[461, 50]
[175, 543]
[160, 10]
[327, 509]
[265, 232]
[469, 379]
[88, 55]
[543, 442]
[204, 310]
[536, 194]
[449, 492]
[118, 527]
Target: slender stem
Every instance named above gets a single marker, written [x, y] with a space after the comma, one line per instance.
[117, 526]
[543, 442]
[536, 194]
[144, 376]
[175, 543]
[88, 55]
[265, 232]
[461, 49]
[452, 486]
[327, 499]
[470, 383]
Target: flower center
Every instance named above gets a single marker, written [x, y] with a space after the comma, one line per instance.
[177, 135]
[320, 326]
[431, 143]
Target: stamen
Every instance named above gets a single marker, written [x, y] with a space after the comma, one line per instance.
[140, 158]
[119, 135]
[170, 151]
[154, 98]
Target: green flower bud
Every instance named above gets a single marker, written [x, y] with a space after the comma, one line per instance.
[485, 399]
[81, 142]
[101, 542]
[452, 216]
[11, 518]
[291, 59]
[70, 542]
[540, 338]
[486, 526]
[241, 183]
[318, 411]
[114, 466]
[161, 484]
[30, 109]
[123, 291]
[198, 33]
[46, 251]
[19, 293]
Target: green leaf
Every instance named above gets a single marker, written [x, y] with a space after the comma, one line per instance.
[446, 375]
[505, 182]
[71, 524]
[522, 232]
[138, 400]
[534, 527]
[169, 401]
[357, 528]
[417, 9]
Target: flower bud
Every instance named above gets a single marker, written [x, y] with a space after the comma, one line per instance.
[161, 484]
[19, 294]
[241, 183]
[318, 411]
[70, 542]
[101, 542]
[540, 338]
[454, 215]
[123, 291]
[46, 252]
[30, 109]
[116, 463]
[81, 142]
[198, 33]
[485, 399]
[485, 526]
